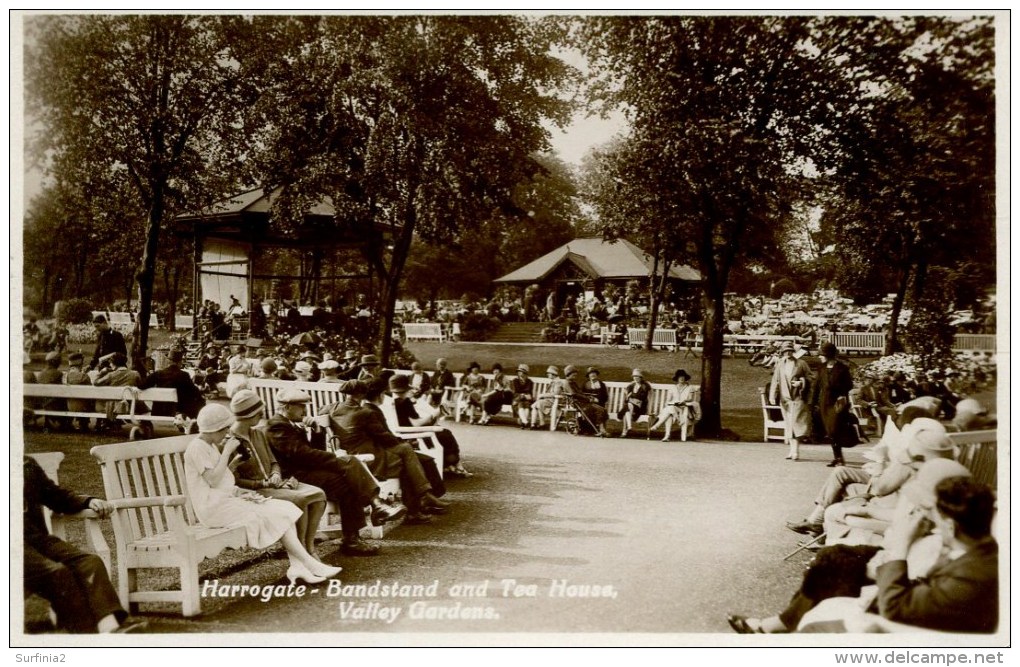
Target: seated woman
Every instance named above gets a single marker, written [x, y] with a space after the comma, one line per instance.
[259, 470]
[219, 503]
[681, 406]
[497, 396]
[954, 588]
[523, 390]
[594, 414]
[635, 404]
[240, 367]
[544, 404]
[474, 387]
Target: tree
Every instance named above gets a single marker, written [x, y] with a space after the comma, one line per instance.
[916, 152]
[150, 99]
[416, 127]
[722, 111]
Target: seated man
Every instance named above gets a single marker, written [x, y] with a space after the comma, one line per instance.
[345, 480]
[407, 415]
[52, 375]
[361, 428]
[114, 373]
[955, 591]
[440, 380]
[74, 582]
[189, 397]
[77, 377]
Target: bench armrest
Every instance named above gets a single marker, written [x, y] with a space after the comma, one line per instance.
[418, 429]
[153, 501]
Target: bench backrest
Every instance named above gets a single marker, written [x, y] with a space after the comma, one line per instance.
[88, 392]
[977, 450]
[184, 322]
[146, 469]
[322, 393]
[120, 319]
[423, 330]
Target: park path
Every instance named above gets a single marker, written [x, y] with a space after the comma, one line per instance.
[670, 536]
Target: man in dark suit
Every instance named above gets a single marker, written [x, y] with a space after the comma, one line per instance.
[345, 479]
[108, 341]
[189, 398]
[362, 429]
[74, 582]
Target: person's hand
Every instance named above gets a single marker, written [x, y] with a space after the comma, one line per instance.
[276, 480]
[230, 445]
[901, 534]
[101, 507]
[308, 421]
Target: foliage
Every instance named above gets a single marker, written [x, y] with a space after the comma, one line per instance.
[929, 333]
[478, 326]
[76, 311]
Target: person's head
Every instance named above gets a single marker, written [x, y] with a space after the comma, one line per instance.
[100, 323]
[53, 359]
[292, 403]
[969, 414]
[592, 373]
[176, 357]
[303, 371]
[350, 356]
[375, 389]
[786, 349]
[415, 367]
[329, 368]
[827, 352]
[239, 350]
[569, 371]
[441, 364]
[400, 386]
[523, 370]
[926, 439]
[497, 367]
[681, 376]
[966, 506]
[75, 359]
[246, 407]
[118, 360]
[552, 371]
[213, 422]
[269, 366]
[637, 375]
[474, 368]
[369, 364]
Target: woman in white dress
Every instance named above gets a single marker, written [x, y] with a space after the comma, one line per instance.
[219, 503]
[681, 407]
[240, 368]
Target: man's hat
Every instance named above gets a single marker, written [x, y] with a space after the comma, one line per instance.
[369, 360]
[354, 388]
[399, 383]
[289, 395]
[350, 355]
[828, 350]
[329, 365]
[302, 367]
[51, 356]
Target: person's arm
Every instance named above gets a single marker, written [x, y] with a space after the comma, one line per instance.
[53, 496]
[212, 476]
[294, 447]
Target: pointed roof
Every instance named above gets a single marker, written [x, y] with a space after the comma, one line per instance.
[619, 260]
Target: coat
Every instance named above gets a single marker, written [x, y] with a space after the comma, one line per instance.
[832, 385]
[362, 429]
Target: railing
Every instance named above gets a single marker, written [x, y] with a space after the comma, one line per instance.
[974, 342]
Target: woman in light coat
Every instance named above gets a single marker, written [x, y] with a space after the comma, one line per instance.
[791, 378]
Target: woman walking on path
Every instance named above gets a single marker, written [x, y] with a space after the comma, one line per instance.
[831, 399]
[789, 389]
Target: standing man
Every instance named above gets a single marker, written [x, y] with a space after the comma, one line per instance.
[789, 389]
[108, 341]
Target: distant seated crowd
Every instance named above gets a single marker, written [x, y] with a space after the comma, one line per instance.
[907, 540]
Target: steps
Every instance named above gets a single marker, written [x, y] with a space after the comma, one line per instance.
[518, 332]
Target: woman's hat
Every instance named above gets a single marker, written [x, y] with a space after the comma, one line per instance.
[473, 365]
[568, 370]
[786, 347]
[552, 370]
[921, 489]
[681, 373]
[591, 369]
[828, 350]
[523, 368]
[636, 373]
[246, 404]
[302, 367]
[214, 417]
[927, 438]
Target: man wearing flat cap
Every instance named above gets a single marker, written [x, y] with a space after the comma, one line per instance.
[790, 389]
[329, 370]
[362, 429]
[345, 479]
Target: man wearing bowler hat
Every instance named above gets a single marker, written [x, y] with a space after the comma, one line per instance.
[369, 368]
[344, 478]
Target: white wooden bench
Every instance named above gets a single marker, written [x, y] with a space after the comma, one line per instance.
[772, 415]
[978, 451]
[186, 322]
[120, 321]
[131, 395]
[424, 331]
[661, 338]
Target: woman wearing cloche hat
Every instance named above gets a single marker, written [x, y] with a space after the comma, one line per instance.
[636, 400]
[219, 503]
[831, 398]
[789, 389]
[523, 389]
[681, 407]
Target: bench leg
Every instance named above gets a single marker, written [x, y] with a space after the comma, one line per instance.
[191, 600]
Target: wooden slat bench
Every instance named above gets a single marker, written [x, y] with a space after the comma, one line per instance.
[424, 331]
[89, 393]
[661, 338]
[978, 451]
[772, 415]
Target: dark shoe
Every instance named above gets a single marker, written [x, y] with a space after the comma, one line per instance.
[383, 513]
[835, 463]
[132, 626]
[359, 548]
[429, 501]
[805, 528]
[740, 626]
[417, 520]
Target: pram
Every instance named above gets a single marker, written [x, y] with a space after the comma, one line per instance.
[569, 412]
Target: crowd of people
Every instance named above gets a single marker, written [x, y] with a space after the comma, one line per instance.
[908, 538]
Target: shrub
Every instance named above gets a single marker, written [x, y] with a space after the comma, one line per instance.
[478, 327]
[76, 311]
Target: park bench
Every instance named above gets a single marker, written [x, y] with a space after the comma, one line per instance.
[129, 397]
[772, 415]
[186, 322]
[120, 321]
[978, 451]
[424, 331]
[661, 338]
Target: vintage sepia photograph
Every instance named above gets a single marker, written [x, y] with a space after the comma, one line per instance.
[509, 328]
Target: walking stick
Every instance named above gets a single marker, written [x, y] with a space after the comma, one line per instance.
[804, 546]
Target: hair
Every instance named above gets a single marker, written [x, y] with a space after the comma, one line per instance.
[497, 367]
[118, 359]
[970, 504]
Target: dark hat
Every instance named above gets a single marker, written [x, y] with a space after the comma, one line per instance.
[369, 360]
[75, 358]
[99, 319]
[681, 373]
[828, 350]
[474, 364]
[400, 383]
[176, 356]
[591, 369]
[497, 367]
[377, 386]
[354, 388]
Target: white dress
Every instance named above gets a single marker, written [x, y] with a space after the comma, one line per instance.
[220, 507]
[237, 379]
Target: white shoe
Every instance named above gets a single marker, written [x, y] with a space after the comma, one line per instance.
[320, 569]
[298, 572]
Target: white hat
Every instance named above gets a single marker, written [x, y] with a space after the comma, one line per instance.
[302, 367]
[214, 417]
[328, 365]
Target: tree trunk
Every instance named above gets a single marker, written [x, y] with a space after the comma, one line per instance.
[147, 274]
[894, 316]
[711, 362]
[653, 303]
